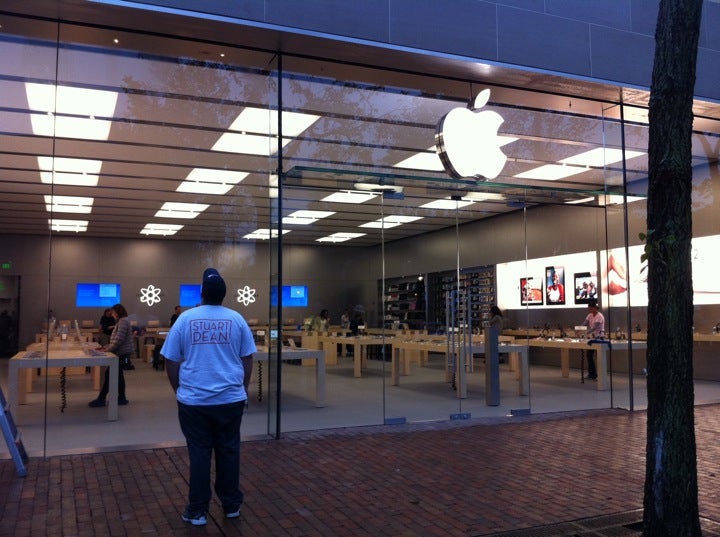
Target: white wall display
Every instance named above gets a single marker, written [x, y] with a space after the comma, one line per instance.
[706, 283]
[538, 275]
[621, 277]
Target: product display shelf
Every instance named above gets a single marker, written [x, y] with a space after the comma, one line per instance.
[476, 295]
[404, 301]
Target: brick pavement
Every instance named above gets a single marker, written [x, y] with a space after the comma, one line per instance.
[465, 478]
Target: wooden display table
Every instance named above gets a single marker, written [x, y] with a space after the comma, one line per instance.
[360, 347]
[708, 338]
[566, 345]
[697, 336]
[401, 361]
[21, 365]
[522, 332]
[289, 353]
[69, 344]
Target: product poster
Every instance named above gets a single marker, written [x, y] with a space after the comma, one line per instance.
[554, 286]
[531, 291]
[586, 288]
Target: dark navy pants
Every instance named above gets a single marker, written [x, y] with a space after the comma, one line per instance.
[121, 380]
[208, 429]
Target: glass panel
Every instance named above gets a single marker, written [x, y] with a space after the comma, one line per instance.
[706, 239]
[625, 212]
[143, 135]
[27, 265]
[372, 138]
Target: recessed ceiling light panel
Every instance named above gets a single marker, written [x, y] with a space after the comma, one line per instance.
[181, 210]
[551, 172]
[56, 103]
[600, 157]
[68, 204]
[254, 131]
[77, 226]
[350, 196]
[211, 181]
[391, 221]
[447, 203]
[340, 237]
[69, 171]
[160, 229]
[303, 217]
[264, 234]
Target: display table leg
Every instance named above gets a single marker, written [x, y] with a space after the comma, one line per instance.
[523, 373]
[601, 356]
[395, 367]
[565, 362]
[357, 360]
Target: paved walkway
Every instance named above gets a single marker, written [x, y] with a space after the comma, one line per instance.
[466, 478]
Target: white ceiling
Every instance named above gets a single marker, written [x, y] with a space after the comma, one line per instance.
[169, 114]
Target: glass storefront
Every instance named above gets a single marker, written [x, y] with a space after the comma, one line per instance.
[132, 161]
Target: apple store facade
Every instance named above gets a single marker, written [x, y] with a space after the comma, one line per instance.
[388, 160]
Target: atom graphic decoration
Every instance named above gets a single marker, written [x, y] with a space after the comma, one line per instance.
[246, 295]
[150, 295]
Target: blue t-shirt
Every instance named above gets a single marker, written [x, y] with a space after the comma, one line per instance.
[209, 342]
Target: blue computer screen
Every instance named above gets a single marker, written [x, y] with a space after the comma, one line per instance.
[97, 295]
[189, 294]
[293, 296]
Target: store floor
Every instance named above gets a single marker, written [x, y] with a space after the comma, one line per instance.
[150, 419]
[576, 473]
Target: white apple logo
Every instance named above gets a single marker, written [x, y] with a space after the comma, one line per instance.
[467, 140]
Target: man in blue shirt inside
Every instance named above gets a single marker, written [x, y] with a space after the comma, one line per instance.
[208, 359]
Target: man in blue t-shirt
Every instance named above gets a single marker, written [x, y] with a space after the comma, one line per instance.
[208, 359]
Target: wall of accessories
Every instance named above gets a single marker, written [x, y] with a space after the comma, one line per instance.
[404, 302]
[421, 301]
[477, 294]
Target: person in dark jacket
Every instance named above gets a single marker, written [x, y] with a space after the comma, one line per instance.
[121, 343]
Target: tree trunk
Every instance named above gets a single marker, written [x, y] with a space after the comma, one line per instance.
[671, 493]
